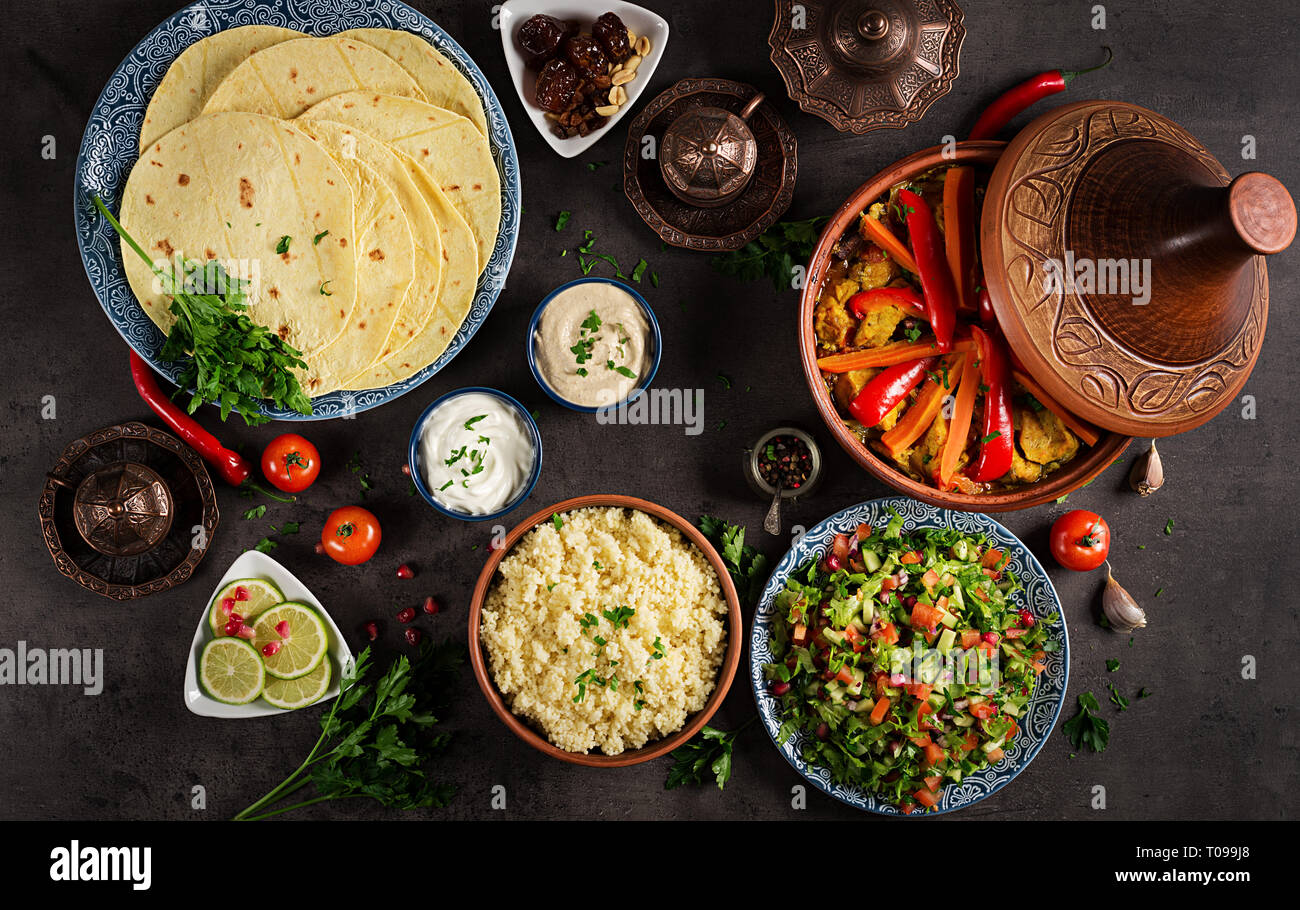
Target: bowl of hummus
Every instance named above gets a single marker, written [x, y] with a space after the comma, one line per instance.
[594, 344]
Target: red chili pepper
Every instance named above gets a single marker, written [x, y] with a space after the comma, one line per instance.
[908, 299]
[1013, 101]
[987, 316]
[229, 464]
[994, 459]
[932, 264]
[883, 393]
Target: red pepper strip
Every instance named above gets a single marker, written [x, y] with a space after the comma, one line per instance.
[932, 266]
[231, 465]
[1013, 101]
[994, 459]
[882, 394]
[959, 232]
[908, 300]
[987, 316]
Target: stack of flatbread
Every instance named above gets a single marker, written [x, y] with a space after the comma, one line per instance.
[347, 179]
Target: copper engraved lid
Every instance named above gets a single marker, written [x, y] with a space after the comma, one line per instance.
[122, 509]
[864, 65]
[1127, 268]
[709, 154]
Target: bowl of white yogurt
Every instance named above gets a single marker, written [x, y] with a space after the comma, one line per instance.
[594, 343]
[475, 454]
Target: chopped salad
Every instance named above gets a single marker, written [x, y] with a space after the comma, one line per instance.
[905, 659]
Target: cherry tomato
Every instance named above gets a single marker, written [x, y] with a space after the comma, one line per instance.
[291, 463]
[351, 535]
[1080, 540]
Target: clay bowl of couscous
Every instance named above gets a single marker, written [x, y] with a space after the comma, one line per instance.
[605, 631]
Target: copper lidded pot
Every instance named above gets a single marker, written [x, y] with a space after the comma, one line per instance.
[708, 155]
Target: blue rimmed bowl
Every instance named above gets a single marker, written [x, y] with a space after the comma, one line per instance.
[416, 462]
[110, 148]
[1038, 596]
[654, 345]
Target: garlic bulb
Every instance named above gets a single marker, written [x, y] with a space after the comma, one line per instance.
[1119, 607]
[1148, 474]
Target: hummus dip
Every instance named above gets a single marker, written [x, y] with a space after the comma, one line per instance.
[590, 344]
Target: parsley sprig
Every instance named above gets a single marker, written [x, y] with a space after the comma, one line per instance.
[233, 362]
[710, 752]
[773, 254]
[1086, 728]
[377, 738]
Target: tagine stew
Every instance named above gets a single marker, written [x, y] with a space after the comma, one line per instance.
[905, 660]
[911, 353]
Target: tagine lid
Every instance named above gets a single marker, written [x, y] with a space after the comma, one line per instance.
[864, 65]
[1127, 268]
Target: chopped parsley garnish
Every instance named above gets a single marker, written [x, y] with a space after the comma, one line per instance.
[469, 424]
[319, 237]
[639, 271]
[283, 246]
[1169, 527]
[992, 436]
[562, 220]
[557, 521]
[1112, 665]
[325, 293]
[255, 512]
[1086, 728]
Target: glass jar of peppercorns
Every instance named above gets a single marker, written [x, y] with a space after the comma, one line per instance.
[786, 455]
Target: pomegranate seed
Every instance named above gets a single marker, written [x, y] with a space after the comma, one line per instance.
[406, 615]
[232, 628]
[282, 628]
[235, 617]
[781, 688]
[406, 469]
[405, 571]
[246, 632]
[319, 548]
[241, 593]
[270, 649]
[1026, 618]
[991, 637]
[823, 731]
[833, 563]
[430, 606]
[412, 637]
[372, 629]
[227, 605]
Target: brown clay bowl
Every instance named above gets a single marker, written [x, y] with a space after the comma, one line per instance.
[727, 673]
[1072, 476]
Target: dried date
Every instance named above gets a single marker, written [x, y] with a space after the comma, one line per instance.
[542, 38]
[586, 54]
[610, 31]
[556, 85]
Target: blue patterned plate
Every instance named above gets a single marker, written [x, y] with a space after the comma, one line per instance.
[110, 145]
[1038, 595]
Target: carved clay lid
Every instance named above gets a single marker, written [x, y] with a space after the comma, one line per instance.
[867, 64]
[1127, 268]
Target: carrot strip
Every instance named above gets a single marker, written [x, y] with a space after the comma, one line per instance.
[886, 356]
[959, 232]
[918, 418]
[959, 428]
[1085, 431]
[879, 234]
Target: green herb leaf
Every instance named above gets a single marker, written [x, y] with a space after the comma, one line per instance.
[1112, 665]
[557, 520]
[562, 220]
[283, 246]
[319, 237]
[255, 512]
[1086, 728]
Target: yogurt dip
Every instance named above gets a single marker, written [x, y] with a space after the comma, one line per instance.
[476, 453]
[590, 344]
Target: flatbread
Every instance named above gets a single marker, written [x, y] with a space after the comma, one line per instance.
[446, 145]
[287, 78]
[385, 255]
[345, 143]
[228, 187]
[190, 79]
[455, 293]
[442, 83]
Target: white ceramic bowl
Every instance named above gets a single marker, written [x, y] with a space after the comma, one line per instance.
[258, 565]
[515, 13]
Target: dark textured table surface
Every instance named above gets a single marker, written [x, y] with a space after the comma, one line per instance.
[1208, 743]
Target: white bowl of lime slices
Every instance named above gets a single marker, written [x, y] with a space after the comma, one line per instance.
[290, 655]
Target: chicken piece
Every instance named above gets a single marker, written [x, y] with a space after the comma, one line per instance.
[849, 384]
[874, 270]
[903, 459]
[878, 327]
[1044, 439]
[887, 422]
[832, 321]
[1022, 471]
[925, 454]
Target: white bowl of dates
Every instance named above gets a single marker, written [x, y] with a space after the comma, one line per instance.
[578, 67]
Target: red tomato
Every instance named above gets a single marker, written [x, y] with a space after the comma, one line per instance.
[291, 463]
[351, 535]
[1080, 540]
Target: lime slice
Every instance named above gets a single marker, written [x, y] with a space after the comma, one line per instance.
[261, 595]
[300, 692]
[231, 671]
[300, 650]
